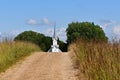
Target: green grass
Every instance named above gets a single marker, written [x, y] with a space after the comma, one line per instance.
[11, 52]
[98, 61]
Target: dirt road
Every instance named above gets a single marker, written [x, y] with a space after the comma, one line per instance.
[42, 66]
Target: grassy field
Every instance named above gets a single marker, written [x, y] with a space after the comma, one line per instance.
[11, 52]
[98, 61]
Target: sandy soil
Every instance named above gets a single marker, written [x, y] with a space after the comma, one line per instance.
[42, 66]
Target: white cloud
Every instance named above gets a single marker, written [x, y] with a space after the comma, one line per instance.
[10, 35]
[14, 32]
[45, 21]
[32, 22]
[49, 32]
[0, 33]
[59, 32]
[35, 22]
[62, 34]
[116, 30]
[106, 23]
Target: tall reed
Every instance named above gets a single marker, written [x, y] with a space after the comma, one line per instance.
[98, 60]
[11, 52]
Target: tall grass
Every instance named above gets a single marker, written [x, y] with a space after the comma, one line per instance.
[98, 60]
[11, 52]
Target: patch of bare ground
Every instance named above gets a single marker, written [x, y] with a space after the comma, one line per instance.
[42, 66]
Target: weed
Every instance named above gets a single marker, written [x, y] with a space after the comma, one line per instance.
[98, 60]
[11, 52]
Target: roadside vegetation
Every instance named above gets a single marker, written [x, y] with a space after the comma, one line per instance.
[97, 60]
[11, 52]
[94, 56]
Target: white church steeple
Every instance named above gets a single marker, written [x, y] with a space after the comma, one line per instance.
[54, 46]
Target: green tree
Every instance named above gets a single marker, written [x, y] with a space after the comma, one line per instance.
[40, 39]
[85, 30]
[33, 37]
[30, 36]
[62, 45]
[47, 42]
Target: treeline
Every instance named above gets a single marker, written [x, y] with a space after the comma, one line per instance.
[39, 39]
[76, 30]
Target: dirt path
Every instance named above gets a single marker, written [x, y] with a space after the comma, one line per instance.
[42, 66]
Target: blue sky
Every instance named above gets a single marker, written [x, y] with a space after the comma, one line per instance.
[17, 16]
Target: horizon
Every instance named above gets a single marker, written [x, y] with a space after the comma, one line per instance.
[39, 16]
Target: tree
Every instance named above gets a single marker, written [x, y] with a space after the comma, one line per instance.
[34, 37]
[85, 30]
[62, 45]
[47, 42]
[40, 39]
[30, 36]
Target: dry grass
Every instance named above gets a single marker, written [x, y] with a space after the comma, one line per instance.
[98, 61]
[11, 52]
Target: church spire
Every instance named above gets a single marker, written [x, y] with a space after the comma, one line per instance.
[54, 34]
[54, 46]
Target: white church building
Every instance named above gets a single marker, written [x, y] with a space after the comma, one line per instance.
[54, 46]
